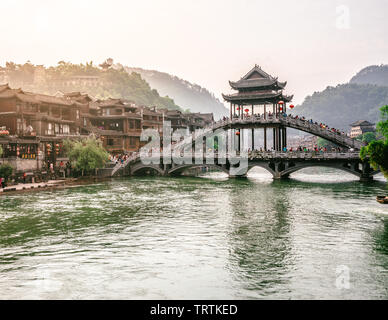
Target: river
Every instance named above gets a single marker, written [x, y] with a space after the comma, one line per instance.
[319, 235]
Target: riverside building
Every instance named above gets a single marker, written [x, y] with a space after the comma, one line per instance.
[33, 126]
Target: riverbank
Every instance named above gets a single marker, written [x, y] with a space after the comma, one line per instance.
[51, 184]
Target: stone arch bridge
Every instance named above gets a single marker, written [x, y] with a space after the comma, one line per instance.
[279, 164]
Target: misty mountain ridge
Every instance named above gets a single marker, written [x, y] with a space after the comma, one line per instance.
[185, 94]
[377, 75]
[360, 99]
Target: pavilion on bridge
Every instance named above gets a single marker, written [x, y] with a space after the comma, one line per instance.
[258, 88]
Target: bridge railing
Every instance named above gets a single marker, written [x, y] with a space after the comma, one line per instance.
[303, 155]
[120, 165]
[293, 122]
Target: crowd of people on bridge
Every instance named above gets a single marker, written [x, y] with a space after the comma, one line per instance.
[118, 158]
[315, 149]
[269, 115]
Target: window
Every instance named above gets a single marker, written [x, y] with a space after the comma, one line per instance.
[132, 141]
[19, 125]
[50, 129]
[77, 114]
[66, 129]
[85, 122]
[56, 128]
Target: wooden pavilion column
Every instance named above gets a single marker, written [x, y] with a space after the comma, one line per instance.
[280, 138]
[265, 128]
[239, 140]
[231, 111]
[275, 139]
[253, 139]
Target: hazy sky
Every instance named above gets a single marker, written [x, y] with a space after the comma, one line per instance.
[311, 44]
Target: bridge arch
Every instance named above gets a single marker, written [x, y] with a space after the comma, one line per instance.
[298, 167]
[265, 166]
[180, 168]
[141, 168]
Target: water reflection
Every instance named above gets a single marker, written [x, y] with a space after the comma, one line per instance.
[191, 238]
[259, 236]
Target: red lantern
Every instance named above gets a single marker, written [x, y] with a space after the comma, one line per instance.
[246, 110]
[237, 133]
[281, 102]
[292, 106]
[280, 109]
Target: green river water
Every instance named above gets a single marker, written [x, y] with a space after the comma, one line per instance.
[208, 237]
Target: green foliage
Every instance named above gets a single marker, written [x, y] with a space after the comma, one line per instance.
[67, 145]
[114, 83]
[87, 154]
[382, 126]
[323, 143]
[368, 137]
[6, 171]
[1, 151]
[378, 155]
[377, 151]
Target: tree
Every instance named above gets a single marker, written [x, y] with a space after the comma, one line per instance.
[5, 171]
[323, 143]
[1, 151]
[382, 126]
[87, 154]
[377, 151]
[368, 137]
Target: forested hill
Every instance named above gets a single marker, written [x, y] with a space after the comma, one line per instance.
[372, 75]
[100, 82]
[187, 95]
[346, 103]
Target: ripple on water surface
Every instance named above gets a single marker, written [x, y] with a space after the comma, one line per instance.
[209, 237]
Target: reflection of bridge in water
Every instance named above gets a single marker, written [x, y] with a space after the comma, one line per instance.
[258, 92]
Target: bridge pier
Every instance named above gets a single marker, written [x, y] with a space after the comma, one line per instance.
[280, 176]
[243, 176]
[366, 178]
[366, 175]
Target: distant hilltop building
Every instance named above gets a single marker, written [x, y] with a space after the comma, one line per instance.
[81, 80]
[360, 127]
[106, 64]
